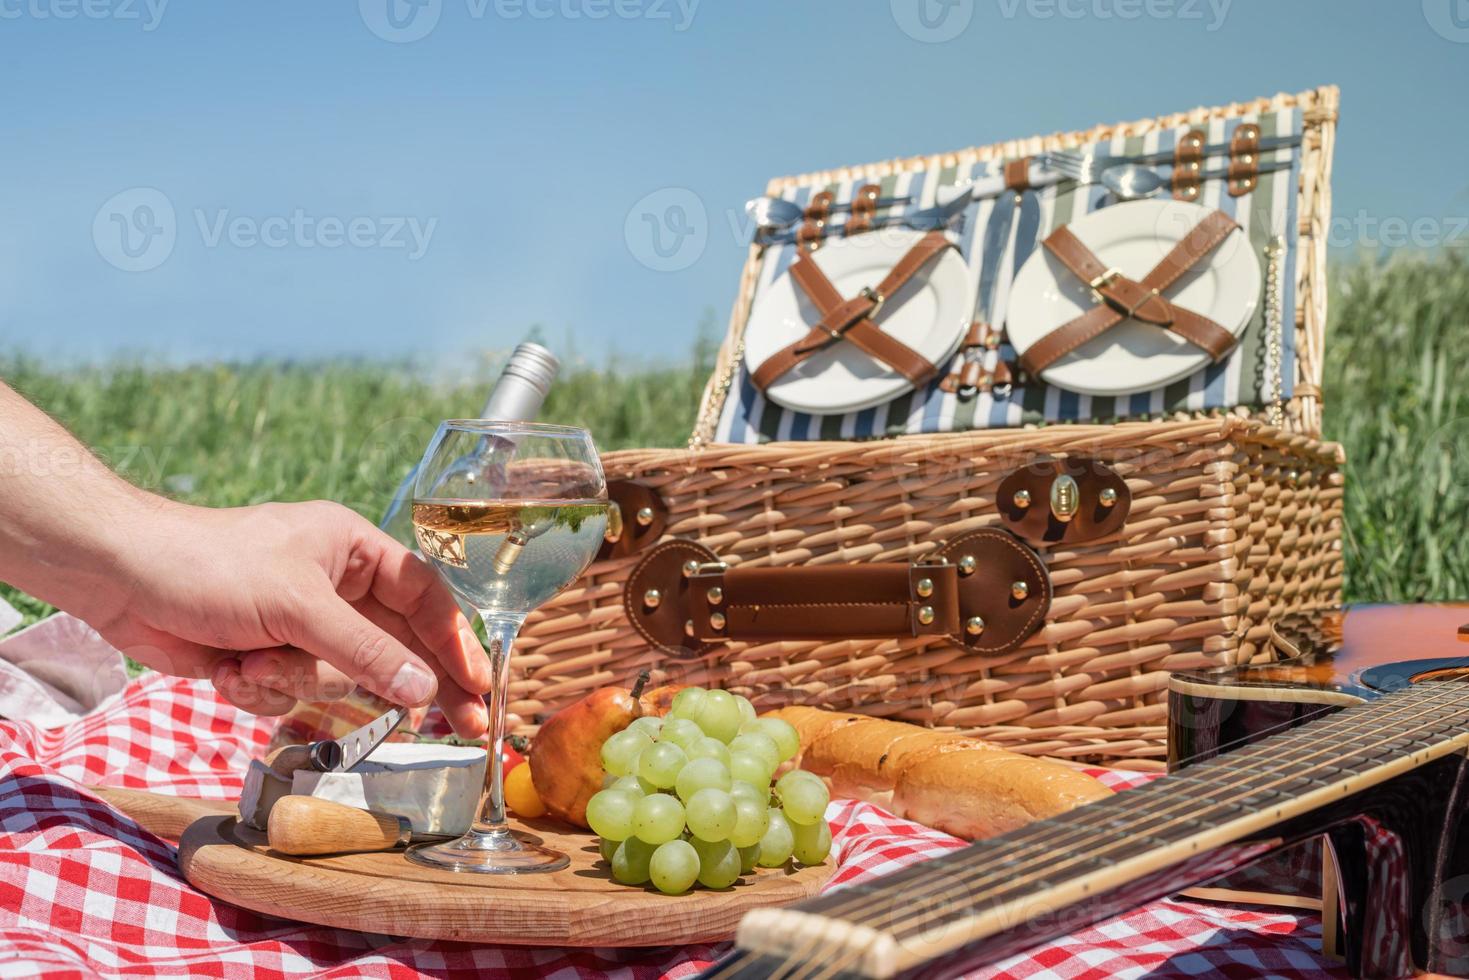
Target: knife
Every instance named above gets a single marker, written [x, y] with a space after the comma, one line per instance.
[305, 825]
[337, 754]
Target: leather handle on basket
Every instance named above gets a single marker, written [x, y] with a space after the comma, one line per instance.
[985, 590]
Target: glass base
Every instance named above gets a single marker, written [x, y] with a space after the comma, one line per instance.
[500, 852]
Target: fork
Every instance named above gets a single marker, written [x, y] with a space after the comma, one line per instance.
[1101, 161]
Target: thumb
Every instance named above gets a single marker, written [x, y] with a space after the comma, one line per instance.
[326, 626]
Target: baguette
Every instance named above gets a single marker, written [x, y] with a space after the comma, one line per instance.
[963, 786]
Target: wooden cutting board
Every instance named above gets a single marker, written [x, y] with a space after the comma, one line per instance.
[384, 893]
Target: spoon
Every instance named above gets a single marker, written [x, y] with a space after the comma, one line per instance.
[1132, 181]
[777, 213]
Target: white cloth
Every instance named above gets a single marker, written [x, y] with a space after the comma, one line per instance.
[56, 671]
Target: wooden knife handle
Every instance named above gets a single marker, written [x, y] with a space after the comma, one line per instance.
[166, 816]
[306, 825]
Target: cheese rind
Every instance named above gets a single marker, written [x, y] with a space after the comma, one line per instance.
[435, 787]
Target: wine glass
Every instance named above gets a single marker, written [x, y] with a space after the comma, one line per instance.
[509, 514]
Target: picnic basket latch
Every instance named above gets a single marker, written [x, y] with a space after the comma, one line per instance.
[1067, 500]
[985, 590]
[636, 519]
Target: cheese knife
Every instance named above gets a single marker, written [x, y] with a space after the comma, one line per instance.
[337, 754]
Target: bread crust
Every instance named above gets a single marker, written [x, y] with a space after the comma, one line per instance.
[963, 786]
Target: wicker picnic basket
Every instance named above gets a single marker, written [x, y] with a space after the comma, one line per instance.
[1198, 530]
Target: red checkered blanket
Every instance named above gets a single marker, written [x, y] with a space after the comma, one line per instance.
[85, 892]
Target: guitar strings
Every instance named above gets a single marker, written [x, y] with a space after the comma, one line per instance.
[1411, 709]
[1405, 712]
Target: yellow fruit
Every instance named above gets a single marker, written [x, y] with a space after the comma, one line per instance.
[521, 795]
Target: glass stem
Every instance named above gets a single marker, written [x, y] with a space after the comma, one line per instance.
[500, 633]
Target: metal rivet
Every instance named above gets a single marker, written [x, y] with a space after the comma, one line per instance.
[645, 516]
[925, 615]
[1108, 497]
[652, 598]
[924, 588]
[967, 565]
[716, 620]
[975, 626]
[1019, 589]
[688, 627]
[1294, 477]
[1022, 499]
[715, 596]
[690, 568]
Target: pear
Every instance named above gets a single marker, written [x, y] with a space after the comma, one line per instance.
[566, 755]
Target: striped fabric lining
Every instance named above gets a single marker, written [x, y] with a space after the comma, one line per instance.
[995, 237]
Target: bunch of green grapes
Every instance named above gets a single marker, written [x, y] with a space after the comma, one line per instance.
[688, 798]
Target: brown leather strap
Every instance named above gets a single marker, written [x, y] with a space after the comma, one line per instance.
[984, 589]
[1244, 159]
[1188, 162]
[820, 207]
[864, 207]
[825, 602]
[1120, 297]
[1017, 174]
[850, 320]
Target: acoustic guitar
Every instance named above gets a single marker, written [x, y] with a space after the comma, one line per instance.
[1355, 733]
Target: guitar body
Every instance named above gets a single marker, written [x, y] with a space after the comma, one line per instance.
[1319, 663]
[1334, 770]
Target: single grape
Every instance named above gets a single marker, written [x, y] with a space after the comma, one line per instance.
[749, 768]
[610, 814]
[752, 819]
[630, 861]
[778, 842]
[756, 743]
[747, 710]
[749, 857]
[719, 863]
[711, 814]
[633, 785]
[686, 703]
[620, 752]
[812, 842]
[657, 819]
[681, 732]
[783, 734]
[607, 847]
[674, 867]
[719, 715]
[660, 763]
[803, 795]
[742, 790]
[647, 724]
[701, 774]
[705, 747]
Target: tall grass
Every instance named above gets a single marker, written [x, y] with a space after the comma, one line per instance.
[228, 435]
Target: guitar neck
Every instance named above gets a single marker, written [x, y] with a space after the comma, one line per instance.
[1054, 876]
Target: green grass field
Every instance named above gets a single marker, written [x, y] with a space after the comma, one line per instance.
[347, 431]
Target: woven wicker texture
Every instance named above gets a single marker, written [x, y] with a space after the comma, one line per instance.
[1232, 523]
[1318, 109]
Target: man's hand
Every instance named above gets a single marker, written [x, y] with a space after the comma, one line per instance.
[285, 601]
[273, 603]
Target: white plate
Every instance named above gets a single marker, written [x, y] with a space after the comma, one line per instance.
[1133, 356]
[930, 314]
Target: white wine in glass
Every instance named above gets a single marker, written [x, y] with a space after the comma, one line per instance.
[509, 514]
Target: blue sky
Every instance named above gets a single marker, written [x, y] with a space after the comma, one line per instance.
[340, 185]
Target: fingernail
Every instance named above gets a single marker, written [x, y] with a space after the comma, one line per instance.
[412, 685]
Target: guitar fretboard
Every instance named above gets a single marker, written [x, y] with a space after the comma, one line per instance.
[1048, 866]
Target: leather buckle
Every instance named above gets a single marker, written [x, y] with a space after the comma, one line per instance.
[1102, 282]
[877, 298]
